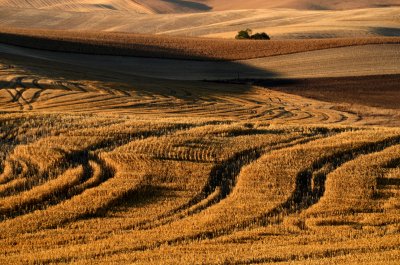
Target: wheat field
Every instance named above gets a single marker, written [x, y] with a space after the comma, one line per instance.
[161, 147]
[159, 6]
[172, 47]
[277, 22]
[103, 166]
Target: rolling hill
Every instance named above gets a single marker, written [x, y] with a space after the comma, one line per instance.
[279, 23]
[181, 6]
[105, 162]
[296, 4]
[78, 5]
[210, 18]
[120, 148]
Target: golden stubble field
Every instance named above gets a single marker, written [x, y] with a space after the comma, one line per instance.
[279, 23]
[113, 168]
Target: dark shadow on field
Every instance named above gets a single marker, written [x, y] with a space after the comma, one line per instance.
[315, 6]
[184, 79]
[102, 47]
[210, 78]
[194, 6]
[395, 163]
[381, 91]
[144, 195]
[386, 5]
[27, 84]
[382, 182]
[387, 32]
[105, 6]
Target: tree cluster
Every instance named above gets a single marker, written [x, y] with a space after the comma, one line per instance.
[247, 34]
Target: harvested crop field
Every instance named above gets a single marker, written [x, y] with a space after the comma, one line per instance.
[374, 91]
[124, 139]
[160, 46]
[88, 188]
[105, 166]
[159, 6]
[277, 22]
[339, 62]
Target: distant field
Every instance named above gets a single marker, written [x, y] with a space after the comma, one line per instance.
[279, 23]
[170, 46]
[79, 5]
[296, 4]
[160, 6]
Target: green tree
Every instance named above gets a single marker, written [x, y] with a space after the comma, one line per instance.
[260, 36]
[247, 34]
[244, 34]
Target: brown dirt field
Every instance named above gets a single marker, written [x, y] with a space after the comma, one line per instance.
[382, 91]
[346, 61]
[171, 47]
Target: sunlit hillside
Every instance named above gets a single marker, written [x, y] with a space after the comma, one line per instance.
[127, 148]
[129, 16]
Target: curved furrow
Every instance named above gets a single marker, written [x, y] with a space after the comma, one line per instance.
[100, 186]
[14, 99]
[41, 196]
[268, 111]
[116, 91]
[65, 202]
[365, 190]
[54, 94]
[306, 186]
[42, 189]
[136, 161]
[65, 85]
[18, 82]
[319, 117]
[104, 206]
[310, 183]
[93, 171]
[352, 117]
[96, 88]
[304, 115]
[18, 175]
[74, 100]
[15, 84]
[38, 93]
[302, 197]
[221, 181]
[327, 115]
[36, 96]
[309, 188]
[60, 85]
